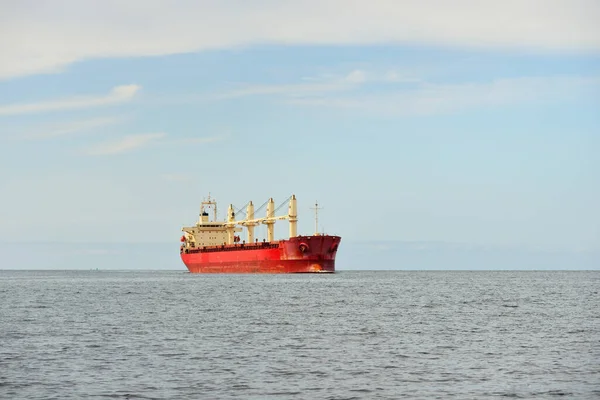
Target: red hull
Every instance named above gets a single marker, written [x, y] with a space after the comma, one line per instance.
[302, 254]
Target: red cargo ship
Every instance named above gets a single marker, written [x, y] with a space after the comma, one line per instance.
[213, 246]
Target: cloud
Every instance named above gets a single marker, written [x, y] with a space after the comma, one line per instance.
[47, 37]
[321, 85]
[118, 94]
[356, 76]
[395, 92]
[427, 98]
[198, 140]
[316, 85]
[125, 144]
[294, 90]
[399, 77]
[132, 142]
[69, 128]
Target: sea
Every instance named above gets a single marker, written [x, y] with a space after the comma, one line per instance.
[102, 334]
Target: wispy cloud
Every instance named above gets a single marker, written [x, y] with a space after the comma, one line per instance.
[356, 76]
[312, 86]
[292, 90]
[69, 128]
[125, 144]
[55, 35]
[202, 139]
[374, 74]
[427, 98]
[132, 142]
[118, 94]
[393, 92]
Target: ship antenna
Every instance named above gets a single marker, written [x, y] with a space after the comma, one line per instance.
[316, 208]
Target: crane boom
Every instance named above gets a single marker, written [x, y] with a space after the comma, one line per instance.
[263, 220]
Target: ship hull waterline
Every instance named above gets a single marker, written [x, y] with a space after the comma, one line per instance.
[302, 254]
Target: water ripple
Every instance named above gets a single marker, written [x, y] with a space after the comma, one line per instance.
[352, 335]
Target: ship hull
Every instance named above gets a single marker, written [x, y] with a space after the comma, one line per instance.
[302, 254]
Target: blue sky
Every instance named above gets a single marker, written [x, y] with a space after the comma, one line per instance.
[407, 121]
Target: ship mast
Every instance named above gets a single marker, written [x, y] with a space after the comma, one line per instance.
[316, 208]
[209, 203]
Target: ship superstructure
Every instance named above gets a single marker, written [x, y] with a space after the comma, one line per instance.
[212, 246]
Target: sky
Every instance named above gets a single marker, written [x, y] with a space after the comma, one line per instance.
[470, 122]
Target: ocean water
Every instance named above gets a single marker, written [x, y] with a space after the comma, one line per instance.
[351, 335]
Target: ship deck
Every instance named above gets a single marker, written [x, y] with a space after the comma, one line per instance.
[233, 247]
